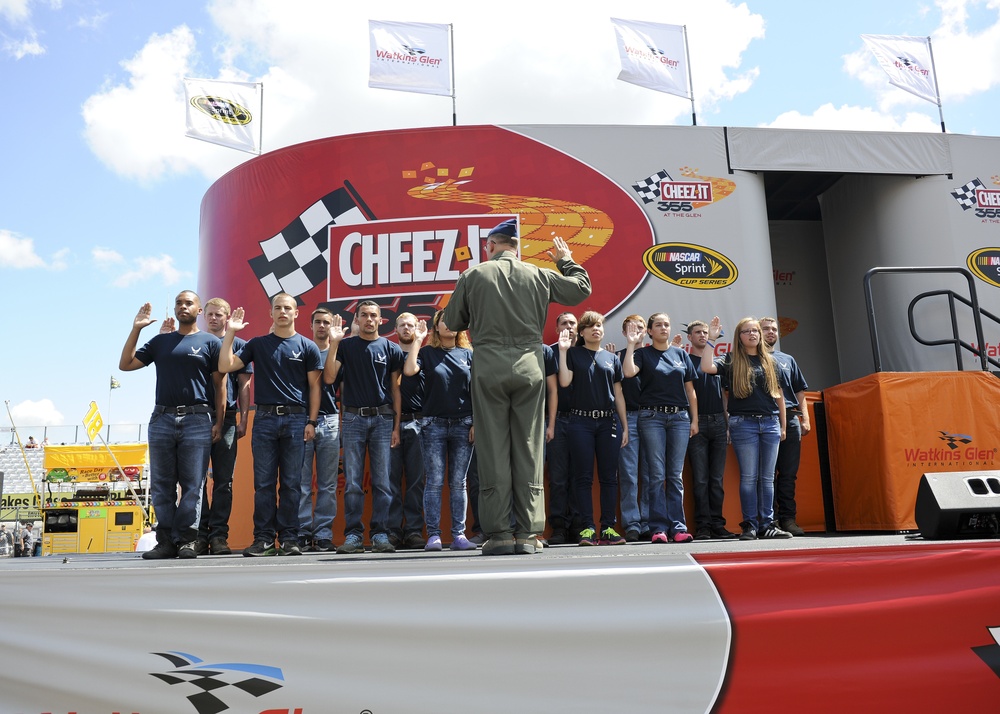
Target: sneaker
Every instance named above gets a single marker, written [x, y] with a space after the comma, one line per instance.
[702, 534]
[749, 531]
[352, 544]
[609, 536]
[558, 537]
[499, 545]
[460, 542]
[478, 538]
[588, 536]
[722, 534]
[381, 544]
[161, 551]
[792, 527]
[433, 543]
[646, 536]
[682, 537]
[324, 545]
[659, 537]
[413, 541]
[526, 546]
[188, 550]
[292, 547]
[258, 549]
[772, 531]
[632, 536]
[201, 546]
[219, 546]
[396, 540]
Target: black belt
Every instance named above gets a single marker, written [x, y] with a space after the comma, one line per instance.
[793, 412]
[183, 410]
[281, 409]
[712, 417]
[666, 410]
[410, 416]
[592, 413]
[564, 415]
[370, 411]
[757, 416]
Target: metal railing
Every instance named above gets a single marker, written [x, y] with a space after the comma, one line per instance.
[73, 434]
[955, 340]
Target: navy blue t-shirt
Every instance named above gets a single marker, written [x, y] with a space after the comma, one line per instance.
[759, 401]
[663, 375]
[790, 378]
[281, 368]
[447, 380]
[565, 393]
[594, 377]
[184, 367]
[631, 387]
[411, 389]
[708, 389]
[328, 392]
[368, 366]
[232, 379]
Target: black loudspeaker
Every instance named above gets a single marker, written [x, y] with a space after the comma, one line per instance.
[958, 504]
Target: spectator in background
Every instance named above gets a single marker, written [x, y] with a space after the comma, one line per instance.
[27, 541]
[32, 444]
[6, 542]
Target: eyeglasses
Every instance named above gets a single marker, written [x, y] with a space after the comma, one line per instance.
[751, 331]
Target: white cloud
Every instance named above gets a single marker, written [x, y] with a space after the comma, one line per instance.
[105, 257]
[19, 49]
[15, 11]
[40, 413]
[92, 22]
[19, 252]
[146, 268]
[850, 118]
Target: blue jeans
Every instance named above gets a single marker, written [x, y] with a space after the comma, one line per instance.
[277, 444]
[561, 515]
[406, 475]
[664, 440]
[707, 451]
[316, 523]
[589, 438]
[755, 441]
[215, 517]
[371, 435]
[445, 440]
[632, 495]
[179, 450]
[789, 454]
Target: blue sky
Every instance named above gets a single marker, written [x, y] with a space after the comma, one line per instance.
[100, 191]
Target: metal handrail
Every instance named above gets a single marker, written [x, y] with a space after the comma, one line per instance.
[973, 302]
[956, 340]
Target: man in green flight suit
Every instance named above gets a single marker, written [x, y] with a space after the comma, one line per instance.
[503, 303]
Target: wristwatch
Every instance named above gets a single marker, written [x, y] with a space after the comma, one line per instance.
[312, 423]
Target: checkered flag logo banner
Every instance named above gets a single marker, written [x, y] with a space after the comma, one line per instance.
[966, 195]
[212, 679]
[297, 259]
[649, 188]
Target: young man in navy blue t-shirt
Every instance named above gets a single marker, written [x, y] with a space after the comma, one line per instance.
[287, 372]
[370, 401]
[188, 416]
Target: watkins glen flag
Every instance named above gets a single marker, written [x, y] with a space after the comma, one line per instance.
[410, 57]
[226, 113]
[653, 56]
[908, 62]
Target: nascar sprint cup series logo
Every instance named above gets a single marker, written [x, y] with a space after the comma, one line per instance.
[690, 266]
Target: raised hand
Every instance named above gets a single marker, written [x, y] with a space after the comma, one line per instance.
[559, 250]
[236, 323]
[420, 332]
[144, 317]
[355, 327]
[714, 328]
[678, 341]
[634, 334]
[610, 347]
[337, 331]
[167, 326]
[565, 341]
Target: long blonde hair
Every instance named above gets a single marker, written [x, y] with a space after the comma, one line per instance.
[741, 380]
[461, 338]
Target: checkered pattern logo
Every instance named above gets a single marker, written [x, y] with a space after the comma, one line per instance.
[990, 654]
[966, 195]
[649, 188]
[211, 681]
[297, 259]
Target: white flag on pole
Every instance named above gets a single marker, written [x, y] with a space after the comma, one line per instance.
[653, 56]
[410, 57]
[226, 113]
[907, 61]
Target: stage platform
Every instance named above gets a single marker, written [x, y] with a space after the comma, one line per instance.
[859, 622]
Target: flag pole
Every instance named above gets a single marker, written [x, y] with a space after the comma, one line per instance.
[260, 127]
[687, 56]
[937, 90]
[451, 51]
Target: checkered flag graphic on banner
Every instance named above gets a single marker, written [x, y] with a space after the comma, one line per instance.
[297, 259]
[649, 188]
[212, 679]
[966, 195]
